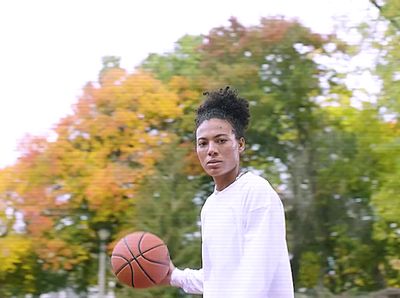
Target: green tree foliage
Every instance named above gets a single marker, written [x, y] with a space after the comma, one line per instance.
[272, 65]
[183, 61]
[385, 199]
[350, 174]
[124, 161]
[388, 67]
[310, 270]
[386, 204]
[168, 205]
[325, 157]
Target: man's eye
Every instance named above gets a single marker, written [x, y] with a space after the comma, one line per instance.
[201, 144]
[221, 141]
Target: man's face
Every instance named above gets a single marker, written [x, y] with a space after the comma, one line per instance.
[217, 147]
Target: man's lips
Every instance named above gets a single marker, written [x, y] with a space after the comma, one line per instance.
[213, 162]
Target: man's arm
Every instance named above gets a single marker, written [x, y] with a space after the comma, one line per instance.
[264, 253]
[190, 280]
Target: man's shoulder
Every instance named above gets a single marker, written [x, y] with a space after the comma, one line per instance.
[258, 191]
[257, 184]
[254, 179]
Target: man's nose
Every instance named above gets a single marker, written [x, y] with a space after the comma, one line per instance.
[212, 150]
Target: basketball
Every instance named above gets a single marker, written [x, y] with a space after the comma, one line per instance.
[140, 260]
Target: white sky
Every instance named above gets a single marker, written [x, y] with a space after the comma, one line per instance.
[50, 49]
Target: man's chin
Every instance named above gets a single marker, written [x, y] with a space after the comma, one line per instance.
[214, 172]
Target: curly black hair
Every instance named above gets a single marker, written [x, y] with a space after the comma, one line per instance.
[225, 104]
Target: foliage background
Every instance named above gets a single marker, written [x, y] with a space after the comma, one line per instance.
[124, 160]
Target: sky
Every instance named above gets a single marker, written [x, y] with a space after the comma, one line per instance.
[51, 49]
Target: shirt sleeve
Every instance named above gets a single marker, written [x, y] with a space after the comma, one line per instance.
[264, 252]
[190, 280]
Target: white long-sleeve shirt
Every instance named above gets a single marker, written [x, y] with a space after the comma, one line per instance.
[244, 251]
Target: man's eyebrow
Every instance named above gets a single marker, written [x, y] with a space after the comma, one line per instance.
[221, 135]
[216, 136]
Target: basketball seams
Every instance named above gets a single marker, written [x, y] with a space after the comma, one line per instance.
[150, 264]
[147, 250]
[142, 253]
[153, 261]
[134, 258]
[137, 257]
[124, 265]
[144, 271]
[128, 263]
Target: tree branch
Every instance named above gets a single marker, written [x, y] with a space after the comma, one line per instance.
[392, 21]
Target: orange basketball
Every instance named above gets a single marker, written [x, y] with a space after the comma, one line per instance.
[140, 260]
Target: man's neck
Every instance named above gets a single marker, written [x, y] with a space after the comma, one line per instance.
[224, 181]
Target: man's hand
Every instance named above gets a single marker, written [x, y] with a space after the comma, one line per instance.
[167, 280]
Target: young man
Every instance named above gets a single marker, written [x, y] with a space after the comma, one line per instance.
[244, 251]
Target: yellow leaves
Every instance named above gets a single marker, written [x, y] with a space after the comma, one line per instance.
[159, 104]
[191, 163]
[7, 181]
[290, 135]
[105, 187]
[138, 92]
[112, 77]
[127, 118]
[58, 254]
[152, 98]
[101, 154]
[395, 264]
[310, 268]
[179, 83]
[112, 140]
[13, 250]
[383, 201]
[359, 282]
[37, 224]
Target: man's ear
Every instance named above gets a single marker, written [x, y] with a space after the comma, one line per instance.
[242, 144]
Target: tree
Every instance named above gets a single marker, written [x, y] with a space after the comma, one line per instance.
[168, 205]
[317, 154]
[385, 197]
[273, 64]
[87, 178]
[183, 61]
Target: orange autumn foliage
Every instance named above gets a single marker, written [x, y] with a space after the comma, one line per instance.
[101, 153]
